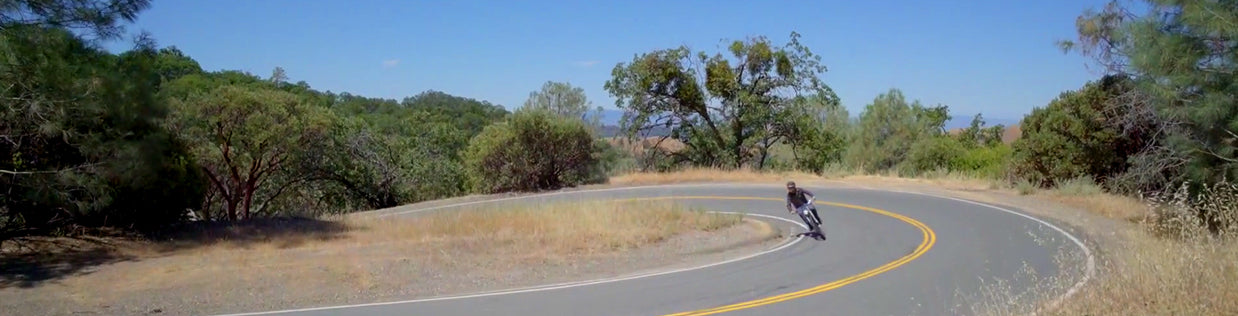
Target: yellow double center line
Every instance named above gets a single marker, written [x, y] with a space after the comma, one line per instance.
[929, 239]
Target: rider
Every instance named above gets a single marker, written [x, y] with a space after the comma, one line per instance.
[796, 198]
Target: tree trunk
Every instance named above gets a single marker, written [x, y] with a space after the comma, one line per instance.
[249, 198]
[231, 209]
[765, 153]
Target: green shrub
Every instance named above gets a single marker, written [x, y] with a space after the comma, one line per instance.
[985, 162]
[533, 150]
[931, 154]
[1074, 136]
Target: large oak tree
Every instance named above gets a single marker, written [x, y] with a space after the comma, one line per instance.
[728, 111]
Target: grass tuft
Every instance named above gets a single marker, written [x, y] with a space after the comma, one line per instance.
[1081, 186]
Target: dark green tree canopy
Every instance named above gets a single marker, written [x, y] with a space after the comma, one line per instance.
[726, 110]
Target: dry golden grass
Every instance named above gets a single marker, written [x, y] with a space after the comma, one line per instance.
[1108, 205]
[1145, 275]
[1156, 276]
[388, 253]
[557, 229]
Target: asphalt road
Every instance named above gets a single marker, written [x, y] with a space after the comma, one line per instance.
[887, 253]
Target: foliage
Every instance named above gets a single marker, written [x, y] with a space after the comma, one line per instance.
[977, 135]
[1075, 135]
[1182, 57]
[727, 114]
[565, 100]
[101, 19]
[245, 136]
[931, 154]
[79, 129]
[381, 170]
[468, 114]
[532, 150]
[888, 128]
[817, 131]
[990, 162]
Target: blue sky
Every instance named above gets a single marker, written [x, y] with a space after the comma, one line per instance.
[994, 57]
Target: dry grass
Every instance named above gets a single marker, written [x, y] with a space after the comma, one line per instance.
[1145, 275]
[1165, 263]
[1108, 205]
[438, 252]
[557, 229]
[1156, 276]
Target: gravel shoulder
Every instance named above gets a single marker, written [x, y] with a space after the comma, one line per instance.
[197, 284]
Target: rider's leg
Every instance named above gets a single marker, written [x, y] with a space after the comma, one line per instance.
[807, 221]
[815, 215]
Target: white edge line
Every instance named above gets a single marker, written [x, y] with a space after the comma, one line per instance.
[554, 286]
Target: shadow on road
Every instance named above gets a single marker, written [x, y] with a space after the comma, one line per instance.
[29, 262]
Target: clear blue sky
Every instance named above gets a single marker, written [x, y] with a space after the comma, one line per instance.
[995, 57]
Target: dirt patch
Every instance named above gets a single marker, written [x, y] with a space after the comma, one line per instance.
[391, 260]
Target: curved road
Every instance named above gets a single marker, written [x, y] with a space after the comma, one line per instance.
[887, 253]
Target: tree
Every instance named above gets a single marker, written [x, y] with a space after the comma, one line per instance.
[80, 132]
[1074, 136]
[726, 113]
[384, 169]
[173, 64]
[889, 126]
[1182, 56]
[468, 114]
[533, 150]
[977, 135]
[98, 18]
[244, 136]
[564, 100]
[817, 129]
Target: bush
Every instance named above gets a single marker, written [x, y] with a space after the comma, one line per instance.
[612, 160]
[986, 162]
[1074, 136]
[533, 150]
[931, 154]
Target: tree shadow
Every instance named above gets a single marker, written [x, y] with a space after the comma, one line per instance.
[30, 262]
[282, 233]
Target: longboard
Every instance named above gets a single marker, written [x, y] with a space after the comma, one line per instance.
[817, 236]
